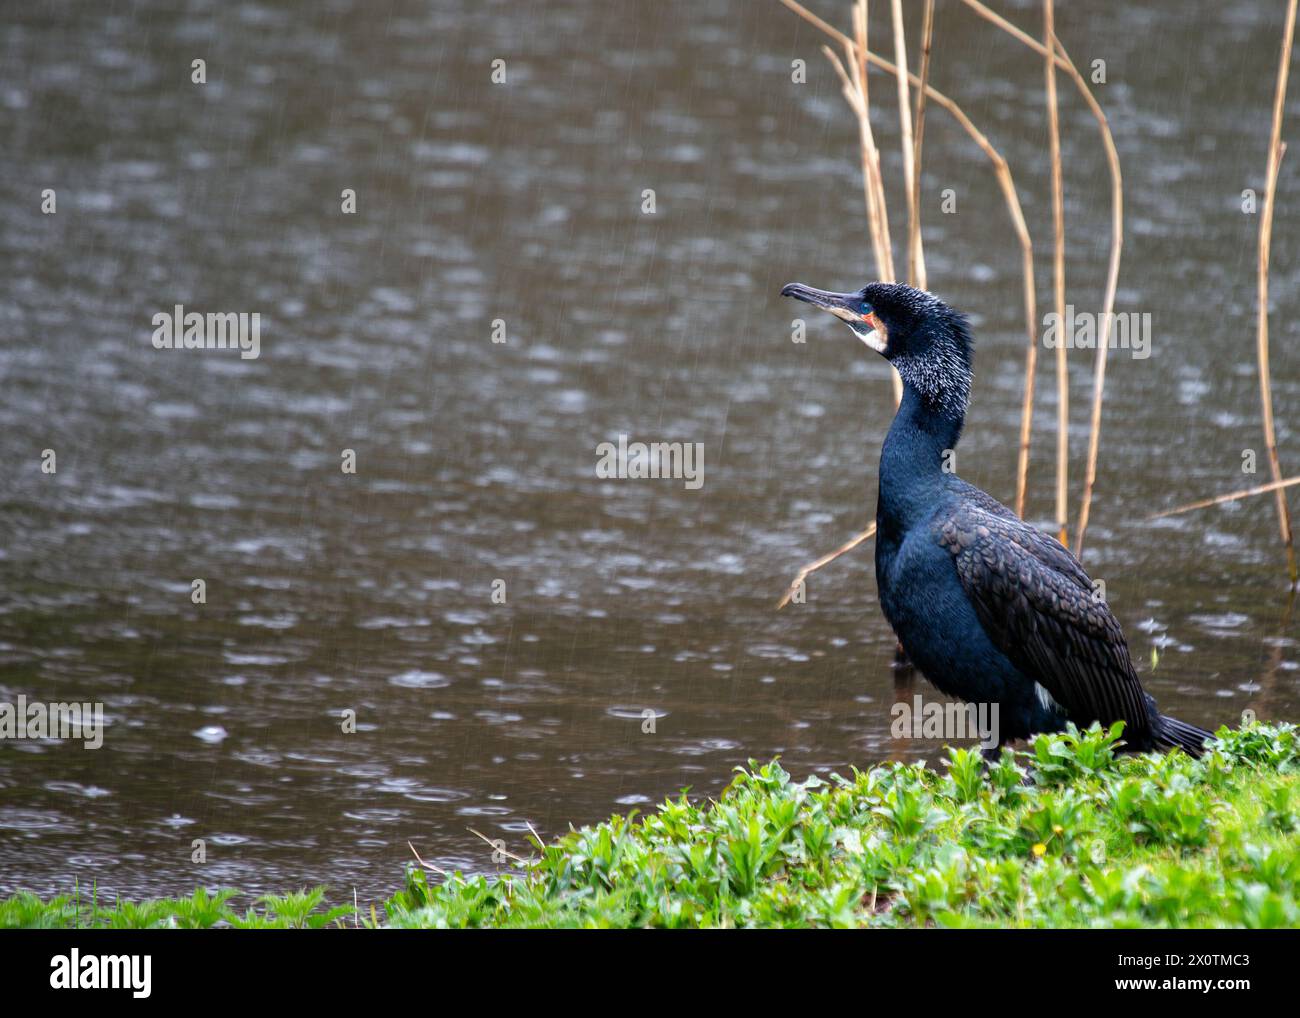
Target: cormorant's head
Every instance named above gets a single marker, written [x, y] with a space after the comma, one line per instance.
[926, 340]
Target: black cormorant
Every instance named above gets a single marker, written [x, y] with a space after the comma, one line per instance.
[989, 608]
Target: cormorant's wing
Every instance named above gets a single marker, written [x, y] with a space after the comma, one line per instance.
[1046, 549]
[1038, 607]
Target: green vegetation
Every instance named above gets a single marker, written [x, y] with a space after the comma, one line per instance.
[1067, 834]
[201, 911]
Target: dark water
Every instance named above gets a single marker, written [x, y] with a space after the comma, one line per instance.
[521, 201]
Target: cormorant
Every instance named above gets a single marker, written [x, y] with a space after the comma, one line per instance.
[989, 608]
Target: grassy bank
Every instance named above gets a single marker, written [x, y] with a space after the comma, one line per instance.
[1067, 834]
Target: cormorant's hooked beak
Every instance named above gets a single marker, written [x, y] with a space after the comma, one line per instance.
[847, 307]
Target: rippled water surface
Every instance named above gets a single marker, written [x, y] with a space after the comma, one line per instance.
[522, 201]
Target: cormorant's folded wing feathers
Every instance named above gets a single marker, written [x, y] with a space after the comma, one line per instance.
[1038, 607]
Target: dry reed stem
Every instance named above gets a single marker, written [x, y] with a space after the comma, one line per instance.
[1108, 300]
[855, 87]
[872, 185]
[815, 21]
[1058, 280]
[1108, 304]
[905, 135]
[917, 268]
[860, 101]
[1275, 151]
[879, 243]
[871, 157]
[866, 150]
[423, 864]
[1205, 503]
[812, 567]
[1026, 413]
[495, 846]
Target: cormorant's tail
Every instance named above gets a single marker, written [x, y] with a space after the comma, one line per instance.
[1170, 733]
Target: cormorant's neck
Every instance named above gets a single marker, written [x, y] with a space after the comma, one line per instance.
[916, 458]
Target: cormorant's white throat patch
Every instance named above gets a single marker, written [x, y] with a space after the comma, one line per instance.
[877, 339]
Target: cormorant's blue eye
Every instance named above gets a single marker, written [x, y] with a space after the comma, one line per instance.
[866, 308]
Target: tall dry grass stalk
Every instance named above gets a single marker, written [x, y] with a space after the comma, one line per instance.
[1232, 496]
[827, 559]
[858, 67]
[906, 139]
[920, 277]
[1107, 304]
[1026, 408]
[856, 92]
[1058, 279]
[1275, 151]
[859, 97]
